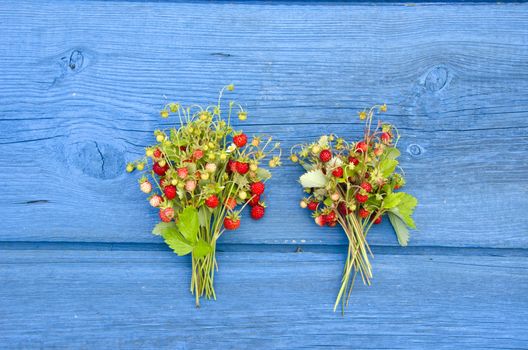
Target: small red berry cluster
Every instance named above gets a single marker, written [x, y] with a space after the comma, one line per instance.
[195, 165]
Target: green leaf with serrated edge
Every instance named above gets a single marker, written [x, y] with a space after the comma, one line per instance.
[405, 209]
[314, 179]
[392, 153]
[162, 227]
[176, 243]
[188, 223]
[328, 202]
[201, 249]
[263, 174]
[387, 166]
[392, 199]
[402, 233]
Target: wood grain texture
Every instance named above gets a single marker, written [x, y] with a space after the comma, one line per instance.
[82, 83]
[72, 299]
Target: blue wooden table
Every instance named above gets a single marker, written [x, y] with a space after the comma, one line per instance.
[81, 83]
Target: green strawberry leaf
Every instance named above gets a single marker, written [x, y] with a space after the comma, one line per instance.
[392, 153]
[402, 233]
[176, 243]
[163, 227]
[387, 166]
[188, 223]
[393, 199]
[405, 209]
[201, 249]
[313, 179]
[328, 202]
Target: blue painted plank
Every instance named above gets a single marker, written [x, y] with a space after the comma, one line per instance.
[81, 80]
[128, 299]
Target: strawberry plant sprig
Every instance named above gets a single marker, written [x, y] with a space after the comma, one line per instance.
[354, 184]
[204, 173]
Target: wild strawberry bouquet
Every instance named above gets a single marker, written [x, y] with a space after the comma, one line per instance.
[354, 184]
[200, 175]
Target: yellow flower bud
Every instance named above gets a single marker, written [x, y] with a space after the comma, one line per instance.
[223, 156]
[164, 113]
[362, 115]
[294, 158]
[149, 152]
[130, 167]
[253, 167]
[316, 149]
[160, 138]
[140, 166]
[174, 182]
[242, 195]
[205, 176]
[383, 108]
[230, 87]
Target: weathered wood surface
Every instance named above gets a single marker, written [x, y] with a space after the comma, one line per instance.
[267, 301]
[81, 84]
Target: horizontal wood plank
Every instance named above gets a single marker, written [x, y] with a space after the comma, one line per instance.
[81, 84]
[140, 299]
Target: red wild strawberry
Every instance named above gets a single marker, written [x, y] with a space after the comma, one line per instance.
[385, 137]
[338, 172]
[320, 220]
[325, 156]
[361, 198]
[364, 213]
[342, 208]
[366, 186]
[242, 168]
[212, 201]
[166, 214]
[160, 170]
[353, 160]
[361, 147]
[396, 187]
[377, 221]
[182, 173]
[253, 201]
[231, 166]
[170, 192]
[157, 153]
[240, 140]
[257, 212]
[332, 223]
[198, 154]
[257, 188]
[312, 205]
[230, 203]
[330, 218]
[231, 223]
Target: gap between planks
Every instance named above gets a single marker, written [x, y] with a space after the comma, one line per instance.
[271, 248]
